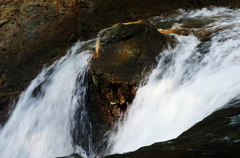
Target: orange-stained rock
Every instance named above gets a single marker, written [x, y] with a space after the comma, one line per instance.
[126, 54]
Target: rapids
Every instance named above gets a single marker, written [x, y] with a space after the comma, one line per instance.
[190, 82]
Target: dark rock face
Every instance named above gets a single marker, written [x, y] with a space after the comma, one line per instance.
[71, 156]
[33, 33]
[109, 12]
[125, 54]
[5, 111]
[218, 135]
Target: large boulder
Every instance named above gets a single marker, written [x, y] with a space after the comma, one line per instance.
[125, 54]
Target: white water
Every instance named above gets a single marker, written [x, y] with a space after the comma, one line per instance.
[40, 126]
[186, 86]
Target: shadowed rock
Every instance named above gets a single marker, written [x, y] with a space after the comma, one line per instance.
[125, 55]
[72, 156]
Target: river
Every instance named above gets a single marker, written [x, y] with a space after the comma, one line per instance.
[190, 82]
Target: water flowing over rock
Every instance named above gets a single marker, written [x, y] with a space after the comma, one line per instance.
[51, 117]
[33, 33]
[125, 54]
[188, 88]
[218, 135]
[37, 32]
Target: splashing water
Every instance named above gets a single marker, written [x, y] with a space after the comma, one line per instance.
[41, 124]
[187, 84]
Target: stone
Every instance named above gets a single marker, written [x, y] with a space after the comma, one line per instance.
[125, 54]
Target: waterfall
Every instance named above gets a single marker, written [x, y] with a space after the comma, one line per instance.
[43, 121]
[189, 83]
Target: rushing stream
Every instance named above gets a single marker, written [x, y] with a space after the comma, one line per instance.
[190, 82]
[41, 124]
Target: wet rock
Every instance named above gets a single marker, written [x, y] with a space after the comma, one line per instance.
[10, 100]
[125, 54]
[72, 156]
[218, 135]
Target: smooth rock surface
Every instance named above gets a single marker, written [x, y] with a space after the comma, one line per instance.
[218, 135]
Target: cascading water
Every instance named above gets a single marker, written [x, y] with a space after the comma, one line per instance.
[43, 121]
[189, 83]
